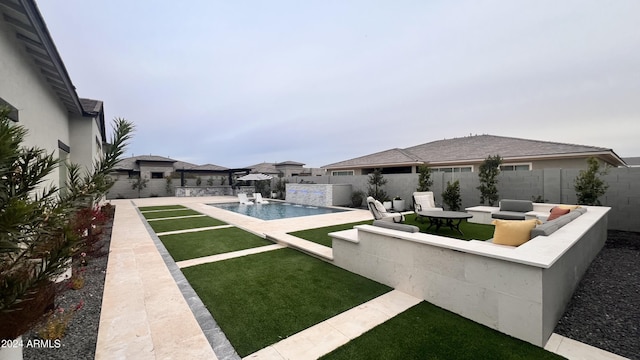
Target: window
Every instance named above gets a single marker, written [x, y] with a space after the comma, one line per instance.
[157, 175]
[453, 169]
[134, 174]
[13, 112]
[515, 167]
[342, 173]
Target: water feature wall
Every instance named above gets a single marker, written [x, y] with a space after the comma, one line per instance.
[319, 194]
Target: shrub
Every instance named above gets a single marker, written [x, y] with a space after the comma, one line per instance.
[376, 182]
[451, 196]
[588, 185]
[424, 179]
[356, 198]
[488, 173]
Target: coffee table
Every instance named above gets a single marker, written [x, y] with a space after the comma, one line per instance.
[446, 218]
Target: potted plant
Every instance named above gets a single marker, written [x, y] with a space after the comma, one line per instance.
[398, 204]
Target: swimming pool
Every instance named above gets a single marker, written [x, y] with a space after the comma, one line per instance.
[276, 210]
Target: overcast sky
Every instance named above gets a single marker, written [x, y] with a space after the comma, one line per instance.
[235, 83]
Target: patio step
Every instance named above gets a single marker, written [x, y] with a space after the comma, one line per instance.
[308, 247]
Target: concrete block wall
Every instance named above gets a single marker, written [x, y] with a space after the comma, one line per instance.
[521, 291]
[553, 185]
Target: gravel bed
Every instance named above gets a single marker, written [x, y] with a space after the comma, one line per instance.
[81, 336]
[603, 312]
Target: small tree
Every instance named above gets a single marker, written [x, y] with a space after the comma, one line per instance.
[168, 187]
[488, 173]
[281, 188]
[424, 179]
[376, 182]
[588, 185]
[223, 180]
[139, 184]
[198, 181]
[451, 196]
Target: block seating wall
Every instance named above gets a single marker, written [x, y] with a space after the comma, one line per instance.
[521, 291]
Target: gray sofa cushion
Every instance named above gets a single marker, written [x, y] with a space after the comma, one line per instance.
[552, 226]
[513, 209]
[508, 215]
[516, 205]
[396, 226]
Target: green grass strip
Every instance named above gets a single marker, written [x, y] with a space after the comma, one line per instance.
[261, 299]
[428, 332]
[183, 224]
[165, 207]
[321, 235]
[169, 214]
[210, 242]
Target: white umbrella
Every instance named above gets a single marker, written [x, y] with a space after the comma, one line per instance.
[257, 176]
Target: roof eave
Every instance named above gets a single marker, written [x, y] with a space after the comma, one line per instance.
[56, 74]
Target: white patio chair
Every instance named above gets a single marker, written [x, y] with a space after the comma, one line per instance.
[257, 197]
[380, 213]
[423, 201]
[244, 199]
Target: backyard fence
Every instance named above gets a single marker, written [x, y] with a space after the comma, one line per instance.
[548, 185]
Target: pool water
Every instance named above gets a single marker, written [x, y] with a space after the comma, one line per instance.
[273, 211]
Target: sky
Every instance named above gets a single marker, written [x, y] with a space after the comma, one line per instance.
[236, 83]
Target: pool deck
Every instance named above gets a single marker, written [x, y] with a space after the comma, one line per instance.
[146, 316]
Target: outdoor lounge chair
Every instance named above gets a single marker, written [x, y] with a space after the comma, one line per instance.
[244, 200]
[380, 213]
[423, 201]
[257, 197]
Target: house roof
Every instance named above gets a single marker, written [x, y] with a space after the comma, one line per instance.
[265, 168]
[475, 149]
[26, 21]
[209, 167]
[289, 162]
[632, 161]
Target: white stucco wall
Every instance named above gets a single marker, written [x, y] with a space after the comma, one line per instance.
[85, 150]
[39, 109]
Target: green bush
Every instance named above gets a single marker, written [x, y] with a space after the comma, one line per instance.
[588, 185]
[451, 196]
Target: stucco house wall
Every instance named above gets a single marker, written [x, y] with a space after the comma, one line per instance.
[39, 109]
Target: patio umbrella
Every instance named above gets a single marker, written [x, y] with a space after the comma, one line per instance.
[257, 176]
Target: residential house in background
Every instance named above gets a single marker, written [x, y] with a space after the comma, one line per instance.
[465, 154]
[285, 169]
[36, 87]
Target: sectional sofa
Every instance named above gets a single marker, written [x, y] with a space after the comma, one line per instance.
[521, 291]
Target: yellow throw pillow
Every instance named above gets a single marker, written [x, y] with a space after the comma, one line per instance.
[513, 232]
[570, 207]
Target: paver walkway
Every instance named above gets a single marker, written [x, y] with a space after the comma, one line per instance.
[145, 316]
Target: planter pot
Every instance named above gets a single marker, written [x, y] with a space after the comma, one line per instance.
[398, 205]
[12, 349]
[387, 205]
[21, 317]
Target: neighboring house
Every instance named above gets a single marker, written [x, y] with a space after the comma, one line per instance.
[467, 153]
[632, 161]
[36, 87]
[286, 169]
[164, 174]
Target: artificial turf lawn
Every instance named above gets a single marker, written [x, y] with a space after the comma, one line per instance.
[160, 226]
[428, 332]
[210, 242]
[169, 214]
[164, 207]
[321, 235]
[261, 299]
[470, 230]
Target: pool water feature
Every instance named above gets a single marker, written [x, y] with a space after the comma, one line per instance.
[276, 210]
